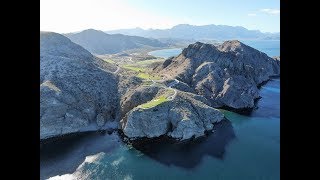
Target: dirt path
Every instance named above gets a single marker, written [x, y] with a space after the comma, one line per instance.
[168, 87]
[116, 71]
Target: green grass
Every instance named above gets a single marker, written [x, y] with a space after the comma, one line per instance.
[109, 61]
[169, 92]
[154, 102]
[147, 83]
[142, 72]
[147, 62]
[133, 68]
[161, 99]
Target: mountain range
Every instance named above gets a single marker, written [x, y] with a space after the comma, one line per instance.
[99, 42]
[186, 31]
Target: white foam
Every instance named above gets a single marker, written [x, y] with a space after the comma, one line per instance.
[127, 177]
[93, 158]
[62, 177]
[118, 161]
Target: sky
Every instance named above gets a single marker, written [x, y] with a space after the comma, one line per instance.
[65, 16]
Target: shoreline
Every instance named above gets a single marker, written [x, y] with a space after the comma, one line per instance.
[106, 129]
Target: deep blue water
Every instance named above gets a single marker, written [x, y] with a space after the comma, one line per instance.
[243, 148]
[270, 47]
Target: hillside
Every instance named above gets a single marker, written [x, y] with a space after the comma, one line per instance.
[98, 42]
[228, 74]
[78, 92]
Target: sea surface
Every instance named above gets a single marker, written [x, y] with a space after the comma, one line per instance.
[270, 47]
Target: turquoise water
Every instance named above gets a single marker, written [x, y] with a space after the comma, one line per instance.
[245, 148]
[270, 47]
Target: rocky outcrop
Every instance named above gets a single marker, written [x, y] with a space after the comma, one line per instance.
[276, 58]
[78, 92]
[182, 118]
[135, 97]
[228, 74]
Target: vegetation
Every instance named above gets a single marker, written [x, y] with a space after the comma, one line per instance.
[161, 99]
[148, 62]
[169, 92]
[109, 61]
[147, 83]
[142, 74]
[154, 102]
[148, 76]
[133, 68]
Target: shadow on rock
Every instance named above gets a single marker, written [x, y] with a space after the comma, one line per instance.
[189, 154]
[269, 105]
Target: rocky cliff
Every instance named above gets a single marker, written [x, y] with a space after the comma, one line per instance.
[182, 118]
[78, 92]
[228, 74]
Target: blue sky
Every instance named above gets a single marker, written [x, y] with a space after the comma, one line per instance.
[74, 15]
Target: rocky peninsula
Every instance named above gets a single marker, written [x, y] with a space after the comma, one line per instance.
[176, 98]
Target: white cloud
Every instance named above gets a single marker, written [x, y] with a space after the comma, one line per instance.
[252, 14]
[271, 11]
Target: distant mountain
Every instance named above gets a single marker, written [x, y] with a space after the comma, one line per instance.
[179, 42]
[272, 36]
[98, 42]
[186, 31]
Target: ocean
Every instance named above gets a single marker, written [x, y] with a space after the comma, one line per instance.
[270, 47]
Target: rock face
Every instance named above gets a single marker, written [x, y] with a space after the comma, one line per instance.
[182, 118]
[77, 91]
[276, 58]
[228, 74]
[137, 96]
